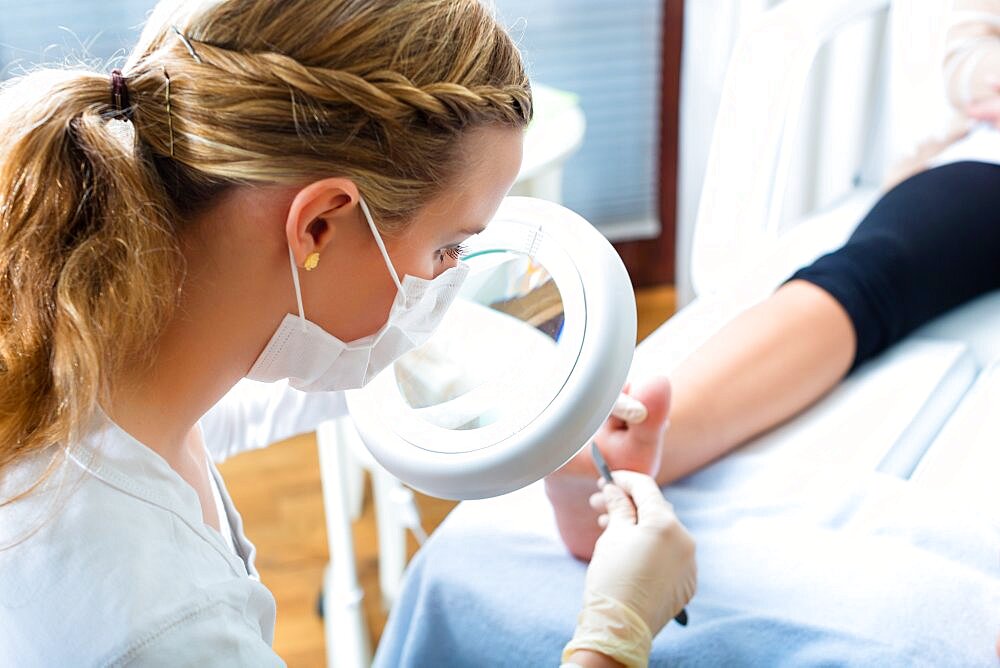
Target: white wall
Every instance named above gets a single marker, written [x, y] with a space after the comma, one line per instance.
[608, 53]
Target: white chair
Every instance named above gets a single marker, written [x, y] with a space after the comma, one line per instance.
[343, 461]
[739, 225]
[743, 247]
[555, 134]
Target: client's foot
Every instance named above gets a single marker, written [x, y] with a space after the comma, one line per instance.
[631, 447]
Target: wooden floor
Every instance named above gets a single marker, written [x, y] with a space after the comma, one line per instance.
[277, 490]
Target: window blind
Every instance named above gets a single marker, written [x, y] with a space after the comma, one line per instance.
[608, 53]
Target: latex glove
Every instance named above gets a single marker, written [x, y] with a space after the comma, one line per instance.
[642, 574]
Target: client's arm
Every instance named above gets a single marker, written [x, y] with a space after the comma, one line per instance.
[971, 68]
[972, 58]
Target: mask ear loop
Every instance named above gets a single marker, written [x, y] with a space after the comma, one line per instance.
[378, 240]
[381, 247]
[298, 288]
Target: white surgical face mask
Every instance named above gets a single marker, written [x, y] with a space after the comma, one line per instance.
[314, 360]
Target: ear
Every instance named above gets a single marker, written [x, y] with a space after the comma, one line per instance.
[315, 213]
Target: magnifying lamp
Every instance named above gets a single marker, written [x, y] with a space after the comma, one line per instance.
[524, 368]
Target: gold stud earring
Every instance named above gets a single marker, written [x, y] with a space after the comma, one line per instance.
[312, 261]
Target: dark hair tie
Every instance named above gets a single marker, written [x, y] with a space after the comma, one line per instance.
[119, 96]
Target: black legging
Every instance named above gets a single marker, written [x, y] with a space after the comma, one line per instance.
[930, 244]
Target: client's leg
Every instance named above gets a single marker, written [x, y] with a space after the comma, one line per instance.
[928, 245]
[769, 363]
[766, 365]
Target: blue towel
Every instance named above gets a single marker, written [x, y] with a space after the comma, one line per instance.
[883, 573]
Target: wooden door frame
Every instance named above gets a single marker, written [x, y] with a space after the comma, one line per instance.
[653, 261]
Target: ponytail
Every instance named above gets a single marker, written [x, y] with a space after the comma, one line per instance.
[89, 264]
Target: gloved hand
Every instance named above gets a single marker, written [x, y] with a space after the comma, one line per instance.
[642, 573]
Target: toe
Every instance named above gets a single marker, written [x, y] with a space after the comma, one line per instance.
[655, 395]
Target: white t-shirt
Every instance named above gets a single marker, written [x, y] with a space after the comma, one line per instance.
[220, 507]
[120, 568]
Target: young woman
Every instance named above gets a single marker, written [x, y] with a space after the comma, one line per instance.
[272, 190]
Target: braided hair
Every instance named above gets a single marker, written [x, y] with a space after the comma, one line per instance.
[376, 90]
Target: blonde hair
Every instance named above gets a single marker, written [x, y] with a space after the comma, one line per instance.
[221, 93]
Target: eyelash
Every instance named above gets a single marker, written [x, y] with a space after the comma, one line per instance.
[453, 252]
